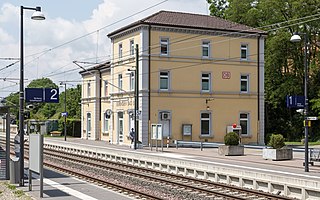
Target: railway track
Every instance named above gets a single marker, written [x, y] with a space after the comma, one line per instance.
[202, 188]
[178, 187]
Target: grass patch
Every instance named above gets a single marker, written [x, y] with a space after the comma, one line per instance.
[18, 193]
[11, 187]
[300, 143]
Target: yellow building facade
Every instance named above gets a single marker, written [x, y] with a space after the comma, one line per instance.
[198, 75]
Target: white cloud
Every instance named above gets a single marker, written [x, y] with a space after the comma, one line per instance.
[58, 35]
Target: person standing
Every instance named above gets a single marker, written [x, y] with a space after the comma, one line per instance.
[132, 135]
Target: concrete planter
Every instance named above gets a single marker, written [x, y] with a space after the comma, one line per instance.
[139, 146]
[226, 150]
[277, 154]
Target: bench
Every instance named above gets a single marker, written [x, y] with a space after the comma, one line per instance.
[201, 145]
[314, 155]
[55, 133]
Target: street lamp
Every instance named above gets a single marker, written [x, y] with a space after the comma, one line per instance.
[65, 110]
[37, 15]
[296, 38]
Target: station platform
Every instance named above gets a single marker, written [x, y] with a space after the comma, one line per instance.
[288, 175]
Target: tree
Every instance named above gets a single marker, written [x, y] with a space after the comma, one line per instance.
[284, 68]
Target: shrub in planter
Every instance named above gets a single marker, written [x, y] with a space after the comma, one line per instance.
[277, 152]
[276, 141]
[231, 147]
[231, 139]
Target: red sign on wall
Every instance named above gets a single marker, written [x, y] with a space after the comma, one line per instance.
[226, 75]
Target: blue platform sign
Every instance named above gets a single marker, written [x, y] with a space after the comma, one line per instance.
[295, 101]
[42, 95]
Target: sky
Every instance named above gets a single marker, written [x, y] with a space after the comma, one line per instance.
[72, 31]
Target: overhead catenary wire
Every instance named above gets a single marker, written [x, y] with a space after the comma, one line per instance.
[277, 24]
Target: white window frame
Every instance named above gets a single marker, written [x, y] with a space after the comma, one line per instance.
[164, 77]
[244, 47]
[164, 41]
[89, 89]
[132, 81]
[120, 50]
[206, 44]
[106, 121]
[247, 120]
[206, 78]
[205, 119]
[244, 80]
[131, 47]
[106, 88]
[120, 82]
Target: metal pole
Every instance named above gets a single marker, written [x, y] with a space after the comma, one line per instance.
[21, 120]
[306, 128]
[8, 144]
[136, 101]
[65, 111]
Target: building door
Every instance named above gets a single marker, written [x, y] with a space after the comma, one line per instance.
[88, 125]
[120, 127]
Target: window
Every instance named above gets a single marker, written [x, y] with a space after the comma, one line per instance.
[244, 123]
[205, 49]
[89, 90]
[105, 88]
[244, 83]
[131, 47]
[164, 46]
[206, 82]
[120, 82]
[244, 52]
[106, 122]
[164, 80]
[120, 51]
[205, 124]
[132, 81]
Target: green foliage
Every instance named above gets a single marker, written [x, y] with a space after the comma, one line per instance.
[73, 126]
[218, 7]
[43, 111]
[231, 138]
[276, 141]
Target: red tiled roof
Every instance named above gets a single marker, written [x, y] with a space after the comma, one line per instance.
[189, 20]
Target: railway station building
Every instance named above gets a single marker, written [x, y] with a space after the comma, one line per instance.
[199, 76]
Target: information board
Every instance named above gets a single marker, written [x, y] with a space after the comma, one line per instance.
[40, 95]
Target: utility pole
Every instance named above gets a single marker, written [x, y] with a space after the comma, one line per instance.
[136, 101]
[65, 111]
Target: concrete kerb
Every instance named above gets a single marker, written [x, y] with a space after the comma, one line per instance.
[243, 177]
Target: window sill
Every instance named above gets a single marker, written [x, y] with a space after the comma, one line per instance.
[246, 136]
[164, 55]
[205, 136]
[163, 91]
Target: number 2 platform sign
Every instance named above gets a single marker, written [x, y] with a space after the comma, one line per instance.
[42, 95]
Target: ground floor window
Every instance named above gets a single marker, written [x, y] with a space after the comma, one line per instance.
[205, 124]
[244, 123]
[106, 122]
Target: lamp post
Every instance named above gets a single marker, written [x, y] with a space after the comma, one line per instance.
[65, 110]
[296, 38]
[37, 15]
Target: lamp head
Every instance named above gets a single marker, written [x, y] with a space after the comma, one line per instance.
[295, 38]
[38, 15]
